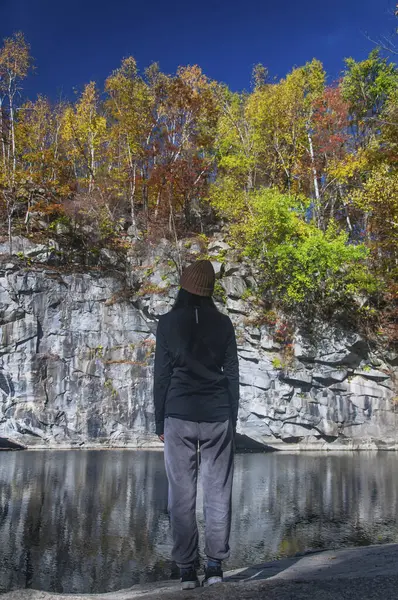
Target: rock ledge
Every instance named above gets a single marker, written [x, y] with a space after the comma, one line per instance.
[369, 573]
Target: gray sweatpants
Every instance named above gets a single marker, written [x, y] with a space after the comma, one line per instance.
[215, 440]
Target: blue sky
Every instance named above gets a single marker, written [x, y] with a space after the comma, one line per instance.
[76, 41]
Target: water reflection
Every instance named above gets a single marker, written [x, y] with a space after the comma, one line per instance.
[95, 521]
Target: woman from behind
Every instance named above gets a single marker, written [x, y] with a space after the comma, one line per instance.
[196, 395]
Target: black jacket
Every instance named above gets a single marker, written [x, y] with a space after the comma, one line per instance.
[196, 367]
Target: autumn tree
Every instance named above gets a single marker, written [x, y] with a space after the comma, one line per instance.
[15, 62]
[186, 119]
[129, 106]
[281, 115]
[366, 86]
[236, 155]
[43, 170]
[83, 132]
[388, 141]
[331, 153]
[303, 173]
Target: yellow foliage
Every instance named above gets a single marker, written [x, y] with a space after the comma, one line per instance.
[347, 168]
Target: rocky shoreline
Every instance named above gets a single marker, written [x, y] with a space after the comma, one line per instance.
[369, 573]
[7, 445]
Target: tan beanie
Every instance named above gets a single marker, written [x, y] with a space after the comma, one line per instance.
[199, 278]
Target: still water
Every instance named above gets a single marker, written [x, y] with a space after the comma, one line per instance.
[95, 521]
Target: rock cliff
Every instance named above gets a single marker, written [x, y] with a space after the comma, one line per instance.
[76, 357]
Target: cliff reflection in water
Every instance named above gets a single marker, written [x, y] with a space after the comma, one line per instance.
[91, 521]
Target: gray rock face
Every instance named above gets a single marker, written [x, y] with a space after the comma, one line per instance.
[234, 287]
[76, 360]
[236, 306]
[218, 246]
[75, 365]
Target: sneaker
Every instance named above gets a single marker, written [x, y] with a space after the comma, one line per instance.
[189, 579]
[212, 575]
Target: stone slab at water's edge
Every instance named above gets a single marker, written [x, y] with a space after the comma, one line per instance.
[368, 573]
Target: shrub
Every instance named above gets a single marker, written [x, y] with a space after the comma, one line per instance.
[277, 363]
[300, 264]
[219, 293]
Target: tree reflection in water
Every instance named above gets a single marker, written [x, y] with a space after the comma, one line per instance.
[92, 521]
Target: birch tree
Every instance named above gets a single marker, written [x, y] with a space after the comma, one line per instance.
[129, 106]
[83, 131]
[15, 62]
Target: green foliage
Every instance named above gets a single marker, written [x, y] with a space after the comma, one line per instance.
[227, 197]
[285, 362]
[203, 237]
[219, 293]
[280, 117]
[299, 262]
[108, 384]
[234, 140]
[368, 84]
[379, 199]
[319, 266]
[220, 257]
[148, 272]
[277, 363]
[62, 220]
[269, 318]
[247, 294]
[97, 352]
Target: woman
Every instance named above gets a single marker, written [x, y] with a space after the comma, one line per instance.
[196, 394]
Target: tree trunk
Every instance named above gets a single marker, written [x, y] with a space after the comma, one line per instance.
[3, 135]
[92, 166]
[132, 199]
[250, 183]
[10, 232]
[133, 172]
[173, 230]
[315, 179]
[332, 205]
[10, 211]
[54, 174]
[157, 204]
[144, 194]
[12, 125]
[347, 216]
[27, 216]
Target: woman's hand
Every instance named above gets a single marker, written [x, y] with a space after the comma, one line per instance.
[161, 437]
